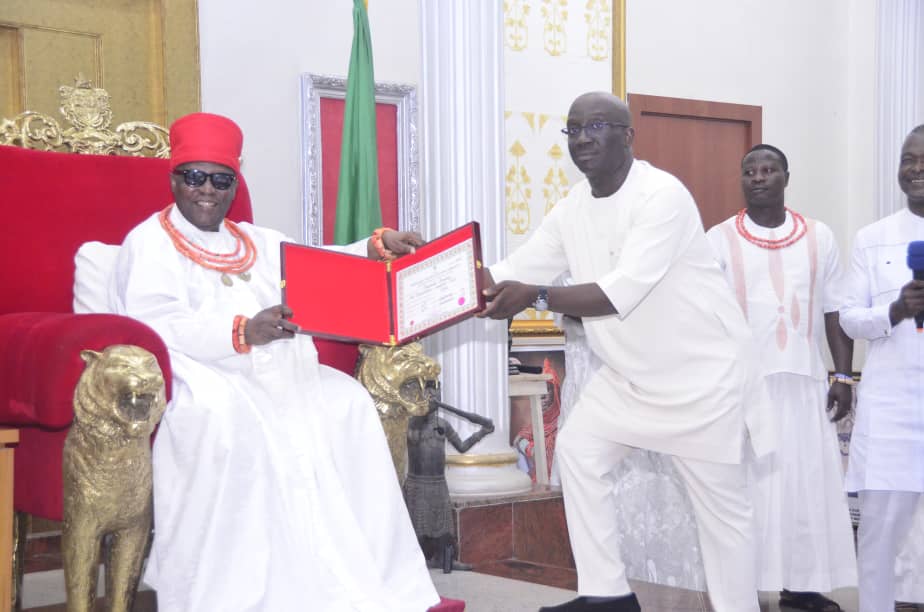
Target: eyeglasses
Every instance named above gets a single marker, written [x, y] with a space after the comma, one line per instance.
[593, 128]
[221, 181]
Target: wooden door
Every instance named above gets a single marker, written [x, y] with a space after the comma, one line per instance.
[699, 142]
[144, 52]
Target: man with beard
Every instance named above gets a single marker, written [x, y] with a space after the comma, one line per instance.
[785, 271]
[675, 351]
[886, 464]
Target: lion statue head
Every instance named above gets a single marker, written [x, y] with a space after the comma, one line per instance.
[120, 393]
[400, 380]
[397, 377]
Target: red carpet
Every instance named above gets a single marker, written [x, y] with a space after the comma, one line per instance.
[449, 605]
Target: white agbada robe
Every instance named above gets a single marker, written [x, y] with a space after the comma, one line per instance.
[656, 526]
[676, 357]
[804, 533]
[677, 367]
[887, 443]
[886, 462]
[909, 567]
[273, 485]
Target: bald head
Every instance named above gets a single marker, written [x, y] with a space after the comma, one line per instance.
[603, 104]
[600, 135]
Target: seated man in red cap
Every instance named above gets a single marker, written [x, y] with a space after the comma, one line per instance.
[261, 501]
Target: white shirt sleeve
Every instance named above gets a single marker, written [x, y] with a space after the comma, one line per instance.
[858, 316]
[717, 242]
[660, 233]
[354, 248]
[833, 277]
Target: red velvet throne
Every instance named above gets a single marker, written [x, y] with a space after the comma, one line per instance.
[54, 202]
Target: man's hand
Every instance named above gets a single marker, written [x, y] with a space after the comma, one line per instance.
[909, 303]
[401, 243]
[507, 298]
[270, 324]
[841, 396]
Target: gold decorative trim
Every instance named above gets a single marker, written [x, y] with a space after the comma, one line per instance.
[555, 17]
[619, 48]
[516, 29]
[87, 110]
[599, 30]
[492, 459]
[517, 190]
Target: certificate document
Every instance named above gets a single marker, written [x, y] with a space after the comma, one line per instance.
[345, 297]
[437, 289]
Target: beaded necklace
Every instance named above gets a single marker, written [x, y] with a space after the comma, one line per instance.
[798, 231]
[236, 262]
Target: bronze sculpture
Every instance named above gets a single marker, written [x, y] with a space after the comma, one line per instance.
[425, 490]
[404, 383]
[107, 474]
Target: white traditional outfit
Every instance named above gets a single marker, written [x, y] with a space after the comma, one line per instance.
[273, 485]
[676, 369]
[886, 463]
[655, 523]
[804, 533]
[909, 567]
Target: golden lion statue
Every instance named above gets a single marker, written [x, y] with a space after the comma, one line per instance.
[107, 473]
[397, 377]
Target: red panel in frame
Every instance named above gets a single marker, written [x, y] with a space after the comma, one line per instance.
[386, 117]
[322, 128]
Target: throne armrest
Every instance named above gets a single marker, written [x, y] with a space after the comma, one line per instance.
[40, 361]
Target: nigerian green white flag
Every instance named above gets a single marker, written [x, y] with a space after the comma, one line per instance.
[358, 209]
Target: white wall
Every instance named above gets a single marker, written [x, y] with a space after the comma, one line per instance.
[810, 65]
[252, 54]
[861, 114]
[805, 63]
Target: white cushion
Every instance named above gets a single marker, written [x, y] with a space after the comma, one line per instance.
[93, 267]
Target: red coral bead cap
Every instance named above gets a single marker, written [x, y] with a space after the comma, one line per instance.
[204, 137]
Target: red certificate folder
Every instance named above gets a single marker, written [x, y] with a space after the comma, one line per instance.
[347, 297]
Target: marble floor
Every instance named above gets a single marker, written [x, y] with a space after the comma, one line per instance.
[44, 592]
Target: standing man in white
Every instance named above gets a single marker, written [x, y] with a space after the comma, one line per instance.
[675, 351]
[886, 464]
[786, 274]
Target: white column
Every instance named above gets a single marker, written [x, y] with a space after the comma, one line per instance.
[462, 162]
[900, 30]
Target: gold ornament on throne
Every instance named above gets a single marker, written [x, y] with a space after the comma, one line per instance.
[398, 378]
[89, 113]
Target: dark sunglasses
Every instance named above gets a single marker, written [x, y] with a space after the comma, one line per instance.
[196, 178]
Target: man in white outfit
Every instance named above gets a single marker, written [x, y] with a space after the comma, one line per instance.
[261, 500]
[886, 463]
[675, 351]
[786, 274]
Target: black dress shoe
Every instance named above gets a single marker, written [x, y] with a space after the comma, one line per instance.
[627, 603]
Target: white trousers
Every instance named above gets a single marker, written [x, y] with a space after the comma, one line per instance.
[885, 523]
[718, 493]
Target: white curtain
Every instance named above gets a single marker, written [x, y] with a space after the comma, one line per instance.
[899, 91]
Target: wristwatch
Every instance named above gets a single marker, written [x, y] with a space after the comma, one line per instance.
[542, 300]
